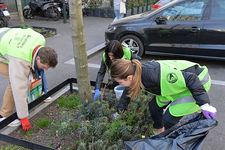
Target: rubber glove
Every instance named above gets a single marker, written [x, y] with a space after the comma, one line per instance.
[115, 115]
[208, 111]
[97, 95]
[25, 124]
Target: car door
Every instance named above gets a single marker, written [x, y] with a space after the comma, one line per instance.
[212, 37]
[179, 34]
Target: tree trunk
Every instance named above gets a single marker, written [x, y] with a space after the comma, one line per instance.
[20, 11]
[79, 49]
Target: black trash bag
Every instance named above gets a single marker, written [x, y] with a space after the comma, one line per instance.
[189, 134]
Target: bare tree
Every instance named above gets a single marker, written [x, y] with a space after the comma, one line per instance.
[79, 49]
[20, 12]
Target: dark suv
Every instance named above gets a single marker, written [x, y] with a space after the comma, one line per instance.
[194, 28]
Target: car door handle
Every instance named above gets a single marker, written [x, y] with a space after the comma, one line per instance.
[195, 29]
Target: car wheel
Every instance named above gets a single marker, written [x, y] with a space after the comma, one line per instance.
[134, 43]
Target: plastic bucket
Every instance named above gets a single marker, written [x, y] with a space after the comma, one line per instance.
[119, 91]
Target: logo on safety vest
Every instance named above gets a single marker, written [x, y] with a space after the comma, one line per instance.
[172, 78]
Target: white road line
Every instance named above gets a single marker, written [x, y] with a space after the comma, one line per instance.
[89, 52]
[215, 82]
[218, 82]
[93, 65]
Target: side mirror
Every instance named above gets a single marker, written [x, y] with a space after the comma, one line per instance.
[161, 20]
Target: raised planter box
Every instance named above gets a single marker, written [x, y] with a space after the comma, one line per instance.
[45, 31]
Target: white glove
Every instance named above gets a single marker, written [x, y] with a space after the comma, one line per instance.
[115, 115]
[208, 111]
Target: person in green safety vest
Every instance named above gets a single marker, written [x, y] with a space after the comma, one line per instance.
[181, 85]
[113, 50]
[22, 51]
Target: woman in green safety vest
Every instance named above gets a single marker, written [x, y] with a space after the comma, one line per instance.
[183, 85]
[113, 50]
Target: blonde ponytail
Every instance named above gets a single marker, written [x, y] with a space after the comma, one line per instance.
[122, 68]
[136, 84]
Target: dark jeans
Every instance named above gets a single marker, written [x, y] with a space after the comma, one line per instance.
[161, 120]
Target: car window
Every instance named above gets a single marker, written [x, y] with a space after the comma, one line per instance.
[185, 11]
[218, 10]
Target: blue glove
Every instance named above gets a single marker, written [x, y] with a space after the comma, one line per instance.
[97, 95]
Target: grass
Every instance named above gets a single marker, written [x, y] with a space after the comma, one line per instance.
[29, 133]
[12, 147]
[68, 102]
[43, 122]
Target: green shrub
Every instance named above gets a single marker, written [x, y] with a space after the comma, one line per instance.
[98, 126]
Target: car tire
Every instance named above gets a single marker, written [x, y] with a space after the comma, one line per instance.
[134, 43]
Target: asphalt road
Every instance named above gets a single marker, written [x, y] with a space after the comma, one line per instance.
[94, 33]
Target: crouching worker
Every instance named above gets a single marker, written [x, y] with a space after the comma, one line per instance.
[21, 51]
[113, 50]
[182, 85]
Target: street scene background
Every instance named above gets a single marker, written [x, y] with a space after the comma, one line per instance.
[94, 28]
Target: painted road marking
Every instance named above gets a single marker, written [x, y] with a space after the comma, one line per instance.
[89, 52]
[218, 82]
[90, 65]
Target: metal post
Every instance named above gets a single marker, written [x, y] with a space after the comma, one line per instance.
[71, 87]
[132, 8]
[147, 5]
[138, 6]
[64, 11]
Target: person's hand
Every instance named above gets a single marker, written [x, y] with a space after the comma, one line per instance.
[25, 124]
[158, 131]
[208, 111]
[97, 95]
[115, 115]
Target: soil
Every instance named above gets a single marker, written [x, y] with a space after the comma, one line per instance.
[46, 136]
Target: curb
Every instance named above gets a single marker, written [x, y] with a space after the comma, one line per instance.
[7, 130]
[95, 50]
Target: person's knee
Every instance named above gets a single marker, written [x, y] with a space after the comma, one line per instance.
[167, 123]
[169, 120]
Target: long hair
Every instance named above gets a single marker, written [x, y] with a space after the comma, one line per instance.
[122, 68]
[116, 48]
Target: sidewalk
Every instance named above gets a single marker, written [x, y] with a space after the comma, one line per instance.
[94, 28]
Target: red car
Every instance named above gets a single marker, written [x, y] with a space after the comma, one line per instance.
[160, 4]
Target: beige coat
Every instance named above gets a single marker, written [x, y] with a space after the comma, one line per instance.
[19, 71]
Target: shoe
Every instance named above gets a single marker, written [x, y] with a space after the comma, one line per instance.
[48, 100]
[15, 123]
[1, 119]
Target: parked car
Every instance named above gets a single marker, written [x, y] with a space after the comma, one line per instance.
[160, 4]
[194, 28]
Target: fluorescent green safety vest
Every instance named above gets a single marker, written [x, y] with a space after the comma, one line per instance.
[127, 55]
[174, 90]
[19, 43]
